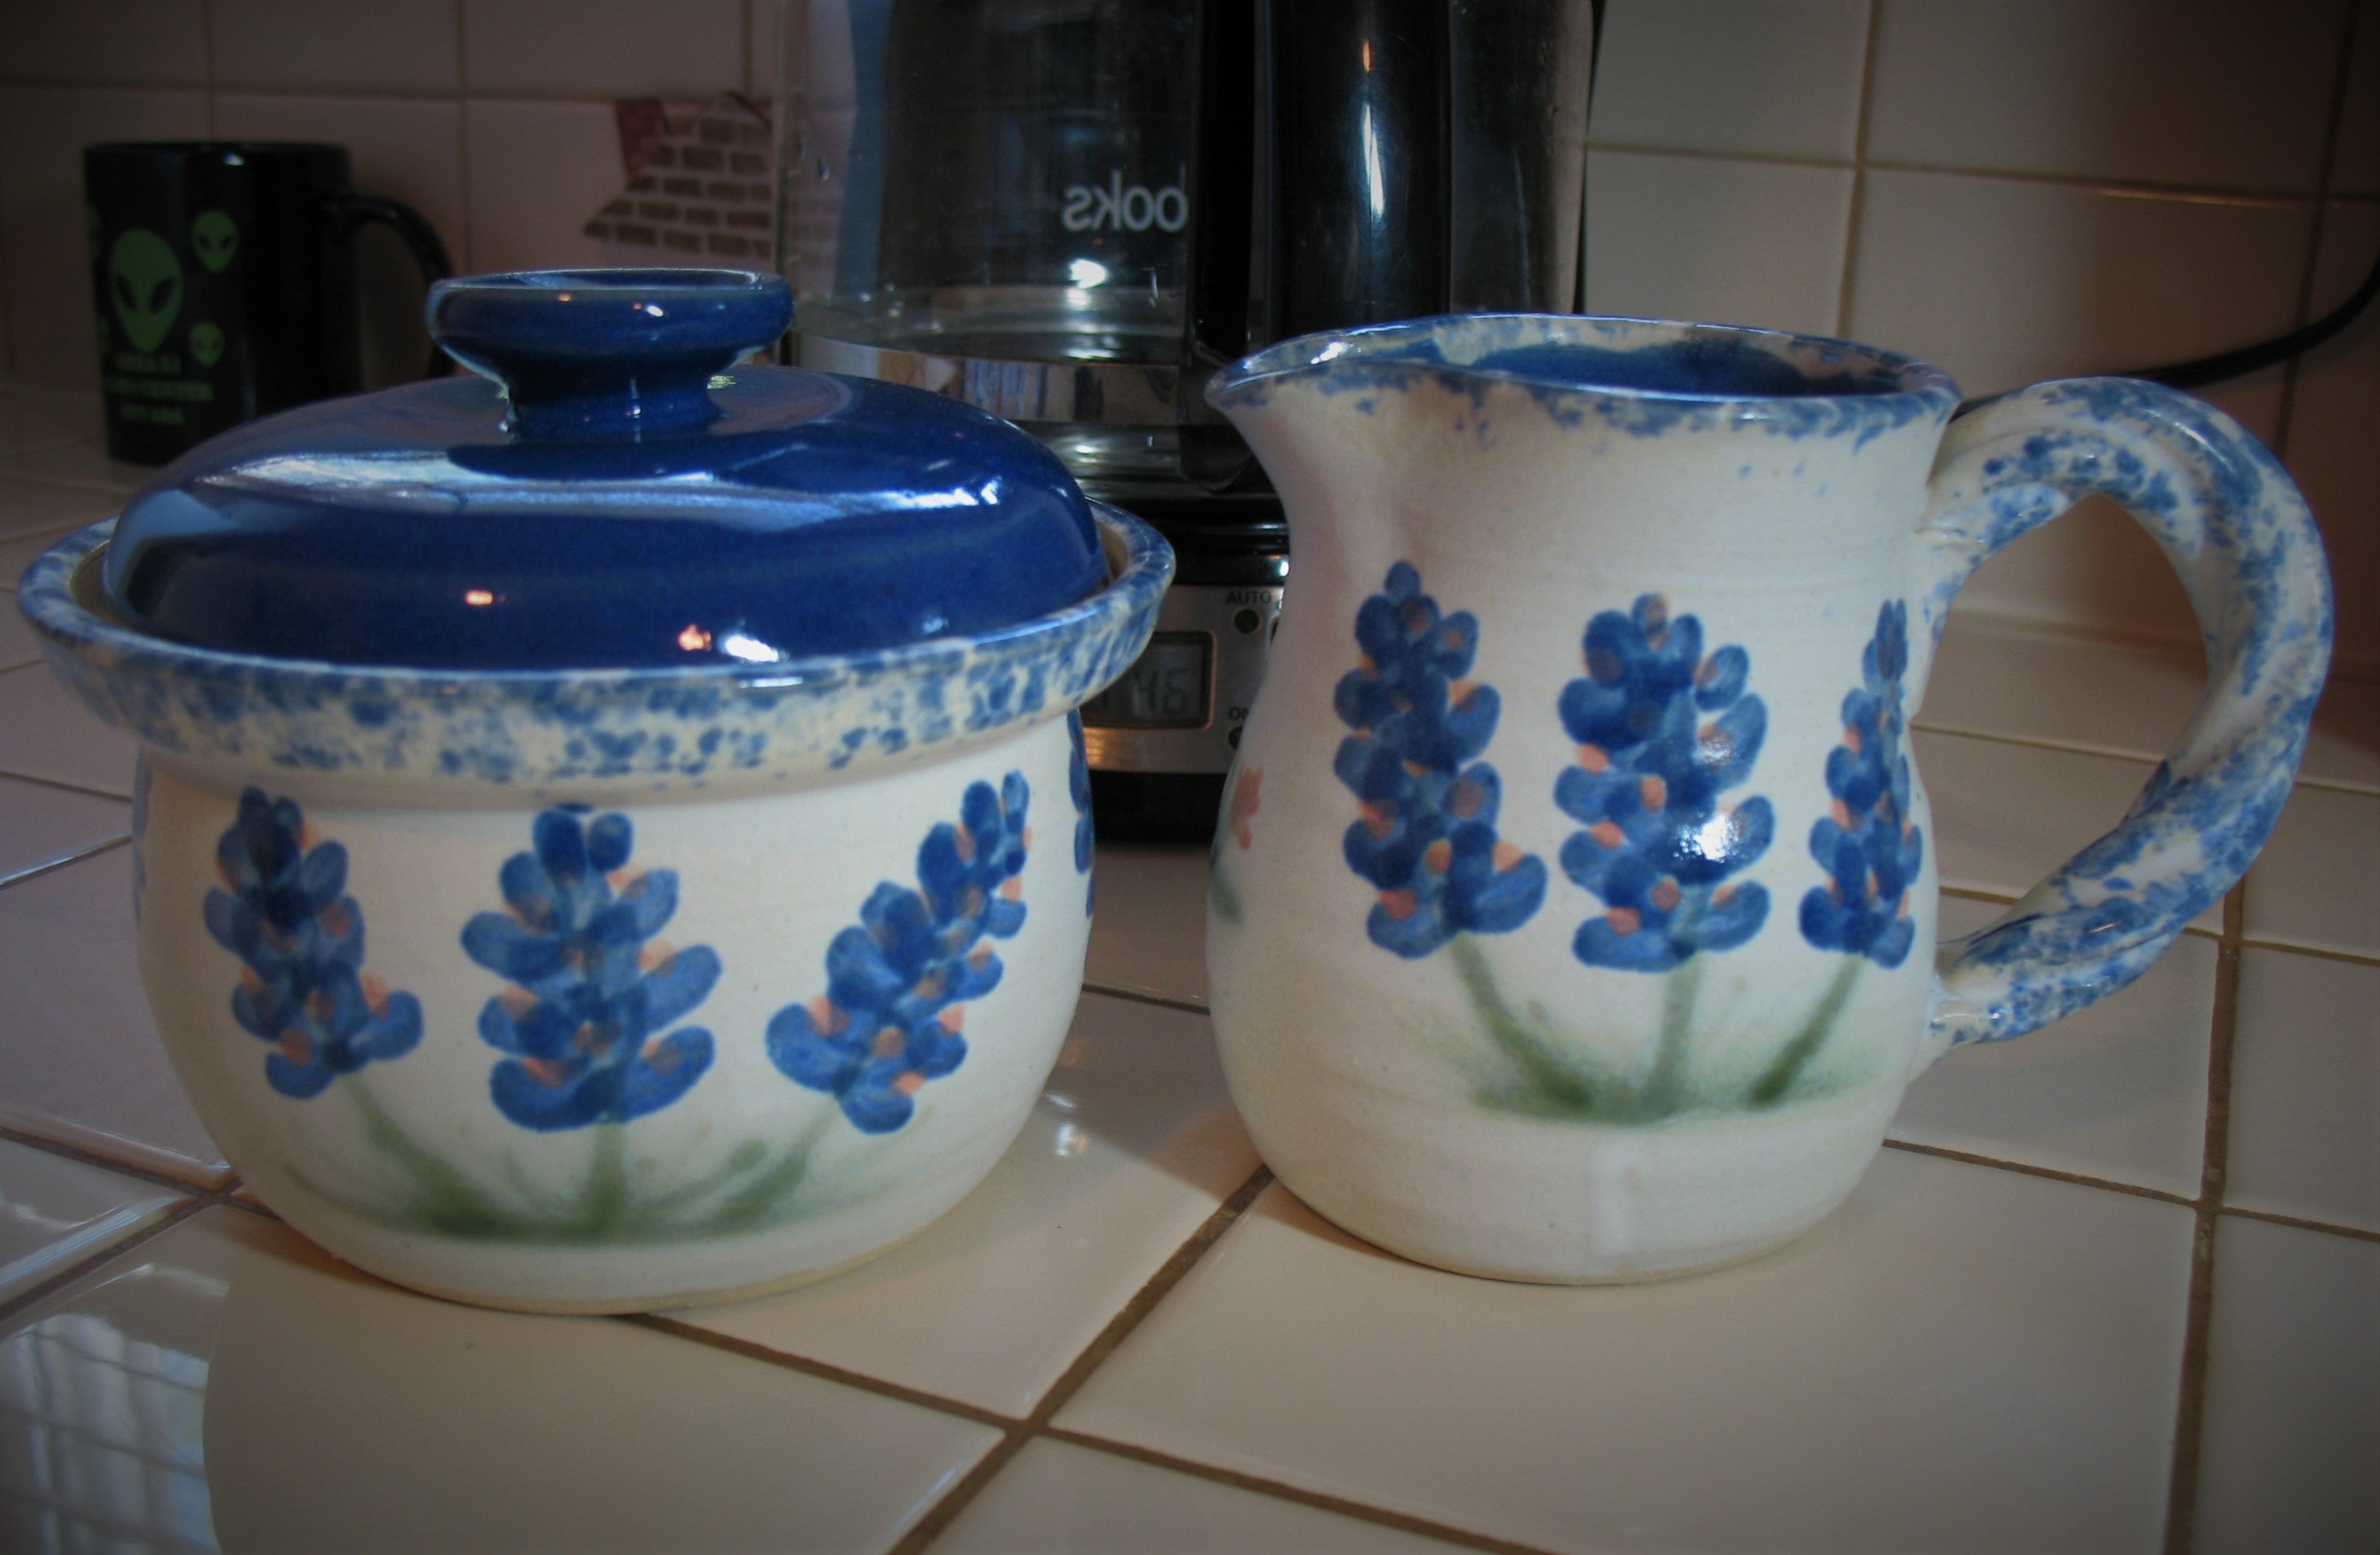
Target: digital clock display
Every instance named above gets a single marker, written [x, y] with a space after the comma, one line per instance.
[1165, 688]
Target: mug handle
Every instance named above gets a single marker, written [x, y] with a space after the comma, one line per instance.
[2235, 527]
[351, 212]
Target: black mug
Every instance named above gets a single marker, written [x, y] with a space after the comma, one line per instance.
[225, 278]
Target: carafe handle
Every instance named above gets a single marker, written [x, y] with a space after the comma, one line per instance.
[2235, 527]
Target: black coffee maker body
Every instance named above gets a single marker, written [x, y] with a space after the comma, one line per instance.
[1071, 213]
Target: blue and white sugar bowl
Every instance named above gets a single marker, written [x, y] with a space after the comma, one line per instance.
[612, 832]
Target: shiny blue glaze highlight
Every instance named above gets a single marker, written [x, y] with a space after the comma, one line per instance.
[620, 507]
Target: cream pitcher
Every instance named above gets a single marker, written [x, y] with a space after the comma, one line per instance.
[1573, 915]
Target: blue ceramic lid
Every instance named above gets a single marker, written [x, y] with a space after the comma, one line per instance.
[613, 493]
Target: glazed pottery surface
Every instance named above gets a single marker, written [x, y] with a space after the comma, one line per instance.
[603, 990]
[1573, 914]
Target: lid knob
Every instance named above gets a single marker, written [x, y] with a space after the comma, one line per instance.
[607, 355]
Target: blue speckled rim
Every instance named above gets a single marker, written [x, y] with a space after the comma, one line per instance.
[1923, 391]
[661, 726]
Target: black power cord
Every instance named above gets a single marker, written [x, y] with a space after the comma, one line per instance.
[2200, 371]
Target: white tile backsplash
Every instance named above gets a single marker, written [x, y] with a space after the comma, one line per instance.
[2006, 280]
[1763, 78]
[2174, 92]
[303, 45]
[537, 173]
[2331, 447]
[1712, 238]
[602, 48]
[106, 43]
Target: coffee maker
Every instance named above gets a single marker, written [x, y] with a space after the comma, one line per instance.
[1072, 212]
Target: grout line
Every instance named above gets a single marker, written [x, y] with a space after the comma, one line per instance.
[2354, 958]
[1857, 206]
[2054, 1174]
[2189, 1416]
[1163, 1001]
[82, 1268]
[1282, 1491]
[87, 1156]
[955, 1501]
[54, 865]
[2300, 1223]
[56, 783]
[677, 1327]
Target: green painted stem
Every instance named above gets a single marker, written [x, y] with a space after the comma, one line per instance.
[1508, 1031]
[449, 1201]
[750, 1205]
[1666, 1086]
[1795, 1056]
[607, 1180]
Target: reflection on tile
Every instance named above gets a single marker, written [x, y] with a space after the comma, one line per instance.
[602, 48]
[1743, 76]
[1150, 934]
[2311, 885]
[42, 507]
[1057, 1499]
[46, 734]
[539, 172]
[2007, 815]
[1663, 239]
[2305, 1089]
[2118, 1091]
[395, 45]
[1131, 1147]
[55, 1211]
[1878, 1385]
[41, 825]
[2292, 1433]
[2004, 282]
[2106, 89]
[477, 1429]
[51, 328]
[82, 1062]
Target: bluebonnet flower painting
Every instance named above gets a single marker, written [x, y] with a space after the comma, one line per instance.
[1662, 731]
[898, 981]
[1078, 784]
[590, 999]
[1427, 838]
[1867, 844]
[300, 941]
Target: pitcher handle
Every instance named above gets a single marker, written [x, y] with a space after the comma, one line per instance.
[2235, 527]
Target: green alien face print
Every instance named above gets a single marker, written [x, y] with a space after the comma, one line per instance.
[144, 280]
[206, 343]
[214, 239]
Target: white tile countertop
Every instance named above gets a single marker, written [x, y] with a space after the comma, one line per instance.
[2114, 1287]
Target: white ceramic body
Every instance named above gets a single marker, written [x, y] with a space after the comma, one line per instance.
[766, 882]
[596, 994]
[1499, 1096]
